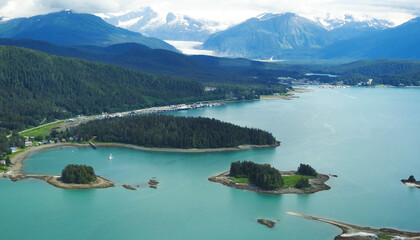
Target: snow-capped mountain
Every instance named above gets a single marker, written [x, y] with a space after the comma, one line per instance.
[350, 26]
[169, 26]
[350, 20]
[268, 35]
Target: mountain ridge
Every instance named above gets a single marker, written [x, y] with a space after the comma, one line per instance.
[69, 28]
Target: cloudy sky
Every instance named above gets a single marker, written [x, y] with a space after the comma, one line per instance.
[232, 11]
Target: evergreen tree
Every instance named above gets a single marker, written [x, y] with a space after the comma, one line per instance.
[411, 179]
[302, 183]
[79, 174]
[262, 175]
[170, 132]
[305, 169]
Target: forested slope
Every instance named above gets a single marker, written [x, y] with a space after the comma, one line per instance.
[38, 87]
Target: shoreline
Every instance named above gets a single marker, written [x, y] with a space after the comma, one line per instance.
[353, 232]
[289, 96]
[16, 173]
[55, 181]
[18, 159]
[317, 184]
[411, 184]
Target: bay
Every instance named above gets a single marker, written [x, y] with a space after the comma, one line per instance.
[367, 136]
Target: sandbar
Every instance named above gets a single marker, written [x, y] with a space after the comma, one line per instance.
[353, 232]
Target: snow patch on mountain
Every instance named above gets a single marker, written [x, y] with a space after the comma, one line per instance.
[352, 21]
[168, 26]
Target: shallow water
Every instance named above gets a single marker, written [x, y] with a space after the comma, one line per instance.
[369, 137]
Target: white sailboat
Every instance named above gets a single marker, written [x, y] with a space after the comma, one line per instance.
[110, 157]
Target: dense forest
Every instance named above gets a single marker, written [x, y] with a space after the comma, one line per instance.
[305, 169]
[37, 88]
[79, 174]
[170, 132]
[262, 175]
[158, 61]
[393, 72]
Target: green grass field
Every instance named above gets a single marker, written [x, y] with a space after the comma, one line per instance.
[240, 180]
[381, 236]
[290, 181]
[42, 131]
[3, 168]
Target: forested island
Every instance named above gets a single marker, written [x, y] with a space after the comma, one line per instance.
[163, 131]
[265, 179]
[78, 174]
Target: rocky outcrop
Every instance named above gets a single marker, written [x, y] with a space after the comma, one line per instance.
[266, 222]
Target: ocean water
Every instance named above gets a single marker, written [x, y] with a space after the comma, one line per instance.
[369, 137]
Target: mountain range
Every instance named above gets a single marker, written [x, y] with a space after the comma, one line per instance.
[289, 35]
[401, 42]
[350, 27]
[168, 27]
[267, 35]
[69, 28]
[277, 36]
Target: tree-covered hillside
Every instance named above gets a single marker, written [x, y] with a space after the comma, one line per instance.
[372, 68]
[170, 132]
[70, 28]
[38, 87]
[395, 72]
[158, 61]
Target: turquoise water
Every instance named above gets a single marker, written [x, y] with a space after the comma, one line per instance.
[369, 137]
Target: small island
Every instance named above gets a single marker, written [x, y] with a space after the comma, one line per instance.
[78, 177]
[73, 177]
[411, 182]
[263, 178]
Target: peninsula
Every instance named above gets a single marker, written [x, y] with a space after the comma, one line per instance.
[147, 133]
[353, 232]
[163, 131]
[263, 178]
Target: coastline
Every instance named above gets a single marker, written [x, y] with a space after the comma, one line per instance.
[188, 150]
[290, 95]
[411, 184]
[353, 232]
[18, 159]
[54, 180]
[15, 171]
[317, 184]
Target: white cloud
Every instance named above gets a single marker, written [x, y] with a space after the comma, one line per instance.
[223, 10]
